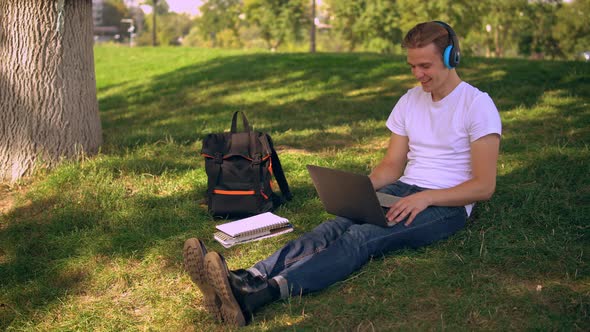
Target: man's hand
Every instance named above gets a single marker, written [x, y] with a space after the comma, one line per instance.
[409, 206]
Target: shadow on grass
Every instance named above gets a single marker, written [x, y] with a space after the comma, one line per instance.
[518, 265]
[300, 97]
[521, 83]
[53, 245]
[50, 246]
[308, 102]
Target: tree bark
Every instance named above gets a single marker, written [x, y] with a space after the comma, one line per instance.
[48, 106]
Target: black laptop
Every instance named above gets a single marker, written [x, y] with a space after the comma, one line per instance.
[351, 195]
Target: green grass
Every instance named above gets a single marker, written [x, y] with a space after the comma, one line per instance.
[95, 244]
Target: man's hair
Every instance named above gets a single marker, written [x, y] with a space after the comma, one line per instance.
[425, 33]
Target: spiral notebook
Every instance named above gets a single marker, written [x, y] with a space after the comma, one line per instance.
[253, 228]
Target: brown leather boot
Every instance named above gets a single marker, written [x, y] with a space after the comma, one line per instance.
[240, 293]
[194, 252]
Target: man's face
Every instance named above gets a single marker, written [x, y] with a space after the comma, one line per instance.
[428, 68]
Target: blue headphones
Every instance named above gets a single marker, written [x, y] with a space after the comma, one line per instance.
[452, 54]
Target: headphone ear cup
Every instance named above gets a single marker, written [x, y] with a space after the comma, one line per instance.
[456, 56]
[447, 56]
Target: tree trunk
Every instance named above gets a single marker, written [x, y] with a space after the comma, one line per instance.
[154, 11]
[48, 107]
[498, 42]
[312, 30]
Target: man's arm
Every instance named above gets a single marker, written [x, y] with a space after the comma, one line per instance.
[484, 156]
[392, 165]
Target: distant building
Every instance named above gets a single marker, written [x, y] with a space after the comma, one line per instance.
[102, 33]
[97, 7]
[112, 25]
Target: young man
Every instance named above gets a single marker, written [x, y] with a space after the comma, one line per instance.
[441, 159]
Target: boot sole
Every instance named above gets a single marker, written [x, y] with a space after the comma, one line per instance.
[194, 263]
[217, 273]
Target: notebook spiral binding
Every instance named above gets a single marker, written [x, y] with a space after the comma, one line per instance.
[266, 228]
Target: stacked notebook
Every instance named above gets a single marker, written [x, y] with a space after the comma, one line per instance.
[249, 229]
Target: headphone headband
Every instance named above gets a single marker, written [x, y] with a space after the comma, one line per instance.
[451, 54]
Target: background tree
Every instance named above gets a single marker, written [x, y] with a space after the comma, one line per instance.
[502, 27]
[463, 15]
[172, 28]
[113, 12]
[504, 17]
[278, 20]
[379, 25]
[535, 37]
[170, 31]
[159, 7]
[312, 29]
[345, 15]
[154, 24]
[571, 30]
[528, 28]
[217, 16]
[47, 84]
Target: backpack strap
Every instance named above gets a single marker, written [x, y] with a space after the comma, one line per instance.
[214, 175]
[256, 154]
[277, 169]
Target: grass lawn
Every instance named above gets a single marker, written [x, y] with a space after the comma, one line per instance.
[95, 244]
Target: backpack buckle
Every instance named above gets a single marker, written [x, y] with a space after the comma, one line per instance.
[218, 158]
[257, 159]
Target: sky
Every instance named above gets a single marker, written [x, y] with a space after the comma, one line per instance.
[192, 6]
[184, 6]
[180, 6]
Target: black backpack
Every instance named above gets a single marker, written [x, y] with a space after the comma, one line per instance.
[239, 167]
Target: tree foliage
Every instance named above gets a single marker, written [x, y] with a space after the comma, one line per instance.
[161, 6]
[572, 31]
[278, 20]
[220, 17]
[372, 23]
[113, 12]
[345, 20]
[516, 27]
[536, 38]
[530, 28]
[170, 29]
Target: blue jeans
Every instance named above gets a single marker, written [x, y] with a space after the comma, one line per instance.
[337, 248]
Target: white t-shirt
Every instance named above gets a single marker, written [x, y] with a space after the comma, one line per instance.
[440, 134]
